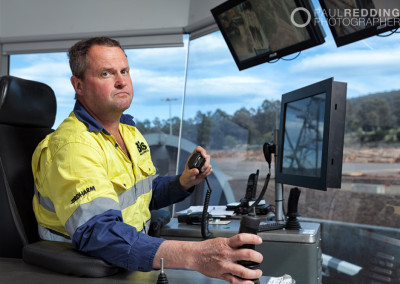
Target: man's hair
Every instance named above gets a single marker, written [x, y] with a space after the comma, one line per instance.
[77, 54]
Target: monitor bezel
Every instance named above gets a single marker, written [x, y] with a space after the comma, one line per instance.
[315, 32]
[358, 35]
[333, 136]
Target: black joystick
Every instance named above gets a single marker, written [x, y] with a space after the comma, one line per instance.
[292, 223]
[162, 277]
[249, 224]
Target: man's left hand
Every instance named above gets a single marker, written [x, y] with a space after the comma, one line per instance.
[192, 177]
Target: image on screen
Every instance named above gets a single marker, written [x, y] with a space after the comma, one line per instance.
[354, 20]
[255, 27]
[304, 132]
[355, 15]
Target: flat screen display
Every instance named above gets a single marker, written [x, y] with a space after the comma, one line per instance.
[353, 20]
[255, 27]
[304, 132]
[259, 31]
[311, 136]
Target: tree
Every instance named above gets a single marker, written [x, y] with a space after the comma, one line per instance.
[204, 129]
[396, 110]
[267, 119]
[244, 118]
[375, 114]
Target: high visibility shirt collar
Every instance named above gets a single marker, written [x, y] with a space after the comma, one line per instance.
[83, 115]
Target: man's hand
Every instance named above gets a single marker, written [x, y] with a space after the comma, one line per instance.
[192, 177]
[216, 258]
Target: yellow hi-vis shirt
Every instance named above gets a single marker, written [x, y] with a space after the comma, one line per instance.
[79, 174]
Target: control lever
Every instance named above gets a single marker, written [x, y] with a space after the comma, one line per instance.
[292, 223]
[249, 224]
[162, 277]
[197, 161]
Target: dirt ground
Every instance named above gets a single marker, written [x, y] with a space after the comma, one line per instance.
[370, 197]
[356, 155]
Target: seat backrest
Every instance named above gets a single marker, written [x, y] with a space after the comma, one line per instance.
[27, 114]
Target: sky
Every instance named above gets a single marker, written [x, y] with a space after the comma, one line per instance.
[214, 81]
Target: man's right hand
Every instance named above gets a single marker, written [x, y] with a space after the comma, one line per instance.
[216, 258]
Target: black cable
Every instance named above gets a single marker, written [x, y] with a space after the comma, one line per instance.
[283, 204]
[260, 197]
[267, 155]
[285, 59]
[276, 60]
[197, 161]
[293, 58]
[205, 233]
[389, 34]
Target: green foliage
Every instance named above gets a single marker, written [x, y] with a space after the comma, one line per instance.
[230, 142]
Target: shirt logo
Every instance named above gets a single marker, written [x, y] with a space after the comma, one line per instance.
[82, 193]
[142, 148]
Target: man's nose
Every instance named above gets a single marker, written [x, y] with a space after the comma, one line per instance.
[120, 81]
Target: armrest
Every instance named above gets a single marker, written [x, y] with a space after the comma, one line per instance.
[159, 218]
[63, 258]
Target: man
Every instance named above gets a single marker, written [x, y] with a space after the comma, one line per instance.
[95, 181]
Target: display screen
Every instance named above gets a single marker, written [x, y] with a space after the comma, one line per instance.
[259, 31]
[303, 136]
[352, 20]
[311, 136]
[255, 27]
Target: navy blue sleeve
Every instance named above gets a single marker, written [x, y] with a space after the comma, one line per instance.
[108, 237]
[167, 190]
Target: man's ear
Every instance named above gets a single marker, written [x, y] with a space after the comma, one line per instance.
[77, 84]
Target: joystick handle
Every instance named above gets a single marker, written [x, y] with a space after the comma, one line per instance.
[292, 223]
[249, 224]
[162, 277]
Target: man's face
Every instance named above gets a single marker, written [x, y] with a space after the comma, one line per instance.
[107, 86]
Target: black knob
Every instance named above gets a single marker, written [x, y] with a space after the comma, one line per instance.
[249, 224]
[162, 277]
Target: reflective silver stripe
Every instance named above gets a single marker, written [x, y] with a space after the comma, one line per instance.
[129, 197]
[88, 210]
[45, 202]
[100, 205]
[46, 234]
[147, 226]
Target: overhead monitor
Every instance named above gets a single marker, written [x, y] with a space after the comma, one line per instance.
[258, 31]
[311, 136]
[354, 20]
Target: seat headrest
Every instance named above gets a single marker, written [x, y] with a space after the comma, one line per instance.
[26, 103]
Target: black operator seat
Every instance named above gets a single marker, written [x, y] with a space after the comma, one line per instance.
[27, 114]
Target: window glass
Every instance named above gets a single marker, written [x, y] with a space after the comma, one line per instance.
[233, 113]
[51, 69]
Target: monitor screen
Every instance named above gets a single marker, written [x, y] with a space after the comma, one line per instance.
[258, 31]
[354, 20]
[311, 135]
[304, 132]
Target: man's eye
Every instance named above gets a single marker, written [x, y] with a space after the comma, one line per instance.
[125, 71]
[105, 74]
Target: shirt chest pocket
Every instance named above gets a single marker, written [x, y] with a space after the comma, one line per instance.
[144, 167]
[122, 181]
